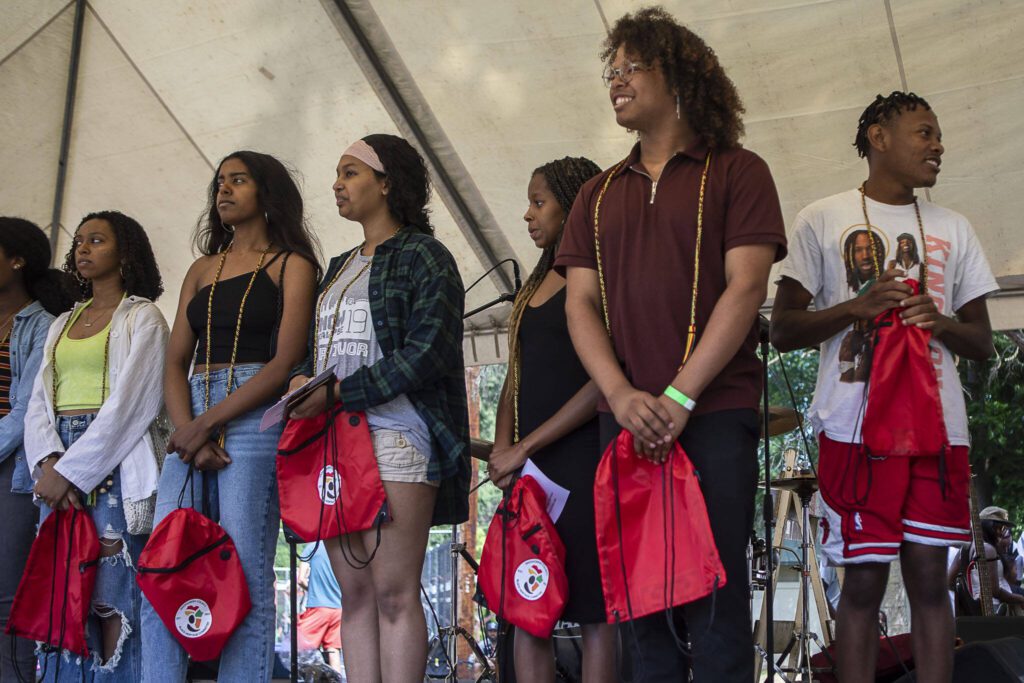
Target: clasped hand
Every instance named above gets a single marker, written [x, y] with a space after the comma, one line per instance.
[654, 421]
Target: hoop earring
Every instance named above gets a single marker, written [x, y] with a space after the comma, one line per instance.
[228, 228]
[266, 217]
[678, 114]
[121, 270]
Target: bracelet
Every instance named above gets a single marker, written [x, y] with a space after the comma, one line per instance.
[680, 398]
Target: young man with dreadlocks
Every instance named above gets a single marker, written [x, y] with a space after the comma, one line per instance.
[548, 413]
[911, 508]
[687, 200]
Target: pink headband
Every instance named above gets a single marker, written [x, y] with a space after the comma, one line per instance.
[362, 151]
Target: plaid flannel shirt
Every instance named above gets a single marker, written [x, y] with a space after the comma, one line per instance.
[416, 305]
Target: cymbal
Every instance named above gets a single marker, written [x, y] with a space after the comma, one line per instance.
[801, 485]
[480, 449]
[780, 420]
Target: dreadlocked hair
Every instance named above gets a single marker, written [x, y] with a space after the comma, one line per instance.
[564, 177]
[52, 288]
[706, 94]
[882, 111]
[139, 272]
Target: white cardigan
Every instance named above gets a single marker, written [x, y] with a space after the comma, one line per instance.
[120, 433]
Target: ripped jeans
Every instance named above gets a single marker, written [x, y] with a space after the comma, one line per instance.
[116, 593]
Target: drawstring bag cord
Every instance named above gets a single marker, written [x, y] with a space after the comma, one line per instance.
[622, 565]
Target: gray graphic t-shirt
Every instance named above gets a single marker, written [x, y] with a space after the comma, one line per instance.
[355, 345]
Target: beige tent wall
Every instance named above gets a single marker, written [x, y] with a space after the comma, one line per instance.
[168, 88]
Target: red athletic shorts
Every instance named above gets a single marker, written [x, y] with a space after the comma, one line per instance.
[320, 627]
[873, 505]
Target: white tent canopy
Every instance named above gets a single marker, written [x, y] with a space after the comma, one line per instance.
[488, 91]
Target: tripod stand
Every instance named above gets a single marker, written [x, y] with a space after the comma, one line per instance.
[448, 636]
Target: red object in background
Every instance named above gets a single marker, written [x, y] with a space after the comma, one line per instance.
[904, 409]
[55, 592]
[654, 540]
[191, 574]
[328, 482]
[522, 566]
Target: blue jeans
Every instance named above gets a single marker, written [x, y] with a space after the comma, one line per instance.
[115, 593]
[243, 499]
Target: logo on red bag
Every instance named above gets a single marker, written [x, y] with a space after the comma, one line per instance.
[531, 579]
[193, 618]
[327, 485]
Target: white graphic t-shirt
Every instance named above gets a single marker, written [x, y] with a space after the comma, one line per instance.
[355, 345]
[830, 255]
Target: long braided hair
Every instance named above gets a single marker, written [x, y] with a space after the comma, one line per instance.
[564, 177]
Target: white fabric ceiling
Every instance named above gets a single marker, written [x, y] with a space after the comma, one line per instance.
[167, 88]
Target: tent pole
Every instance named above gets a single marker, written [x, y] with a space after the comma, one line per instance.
[65, 134]
[409, 118]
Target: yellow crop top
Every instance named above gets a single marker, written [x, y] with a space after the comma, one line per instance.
[79, 367]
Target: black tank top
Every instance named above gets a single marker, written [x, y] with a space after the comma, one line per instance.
[257, 340]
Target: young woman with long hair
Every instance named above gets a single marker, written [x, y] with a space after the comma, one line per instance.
[240, 324]
[87, 428]
[31, 293]
[548, 413]
[389, 319]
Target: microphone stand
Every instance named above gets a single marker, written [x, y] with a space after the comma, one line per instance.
[500, 300]
[767, 508]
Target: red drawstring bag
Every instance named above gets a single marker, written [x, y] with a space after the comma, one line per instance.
[904, 409]
[191, 574]
[522, 566]
[55, 592]
[654, 541]
[328, 482]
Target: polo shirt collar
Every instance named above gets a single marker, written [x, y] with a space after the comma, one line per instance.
[697, 150]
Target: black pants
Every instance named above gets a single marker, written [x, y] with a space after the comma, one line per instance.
[723, 449]
[18, 517]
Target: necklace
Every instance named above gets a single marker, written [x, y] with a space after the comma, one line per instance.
[871, 239]
[337, 305]
[89, 322]
[691, 333]
[238, 327]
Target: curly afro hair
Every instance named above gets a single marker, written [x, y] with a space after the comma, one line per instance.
[139, 272]
[691, 69]
[54, 289]
[882, 111]
[407, 178]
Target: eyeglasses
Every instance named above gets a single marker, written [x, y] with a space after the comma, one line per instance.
[625, 74]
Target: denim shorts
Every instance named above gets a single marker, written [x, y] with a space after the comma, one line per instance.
[398, 460]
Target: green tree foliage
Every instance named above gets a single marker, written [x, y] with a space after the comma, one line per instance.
[995, 410]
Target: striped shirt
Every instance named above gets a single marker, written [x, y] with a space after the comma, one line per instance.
[5, 377]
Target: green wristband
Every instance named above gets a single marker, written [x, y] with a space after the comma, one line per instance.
[680, 398]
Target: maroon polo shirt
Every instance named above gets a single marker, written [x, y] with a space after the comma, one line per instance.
[648, 237]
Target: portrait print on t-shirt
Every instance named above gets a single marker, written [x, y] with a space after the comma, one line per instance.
[828, 256]
[353, 333]
[864, 255]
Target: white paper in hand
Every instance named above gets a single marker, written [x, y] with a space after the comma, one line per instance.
[556, 495]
